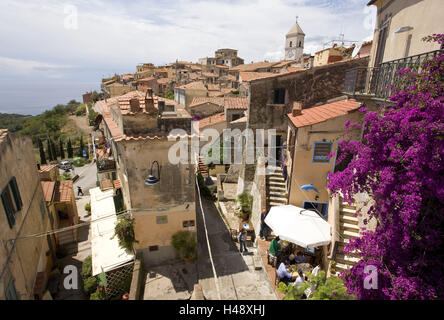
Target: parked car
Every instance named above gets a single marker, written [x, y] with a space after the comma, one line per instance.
[65, 165]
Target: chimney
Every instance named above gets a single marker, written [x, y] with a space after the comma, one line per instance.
[297, 109]
[149, 100]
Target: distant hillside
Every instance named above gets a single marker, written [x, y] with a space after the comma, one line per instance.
[13, 122]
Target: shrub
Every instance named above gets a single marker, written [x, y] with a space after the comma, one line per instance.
[88, 207]
[98, 295]
[80, 110]
[66, 176]
[184, 242]
[87, 267]
[124, 230]
[90, 285]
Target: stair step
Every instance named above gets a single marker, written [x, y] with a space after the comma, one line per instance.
[276, 178]
[349, 234]
[278, 189]
[278, 199]
[278, 193]
[349, 219]
[346, 259]
[349, 227]
[340, 266]
[347, 212]
[277, 183]
[276, 204]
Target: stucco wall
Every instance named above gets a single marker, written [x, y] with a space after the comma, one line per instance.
[304, 171]
[425, 16]
[18, 161]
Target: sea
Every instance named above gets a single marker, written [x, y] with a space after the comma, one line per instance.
[34, 98]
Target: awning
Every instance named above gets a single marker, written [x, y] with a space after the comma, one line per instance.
[300, 226]
[106, 252]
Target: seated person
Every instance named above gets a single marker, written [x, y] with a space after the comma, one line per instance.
[300, 258]
[300, 278]
[283, 274]
[291, 259]
[275, 247]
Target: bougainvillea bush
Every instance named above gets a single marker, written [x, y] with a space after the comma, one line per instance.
[400, 164]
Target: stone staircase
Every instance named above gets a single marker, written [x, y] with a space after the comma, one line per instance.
[65, 237]
[276, 188]
[348, 229]
[202, 167]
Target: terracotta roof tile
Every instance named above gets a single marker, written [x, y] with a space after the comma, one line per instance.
[48, 190]
[254, 66]
[324, 112]
[217, 118]
[117, 184]
[197, 101]
[63, 191]
[236, 102]
[47, 167]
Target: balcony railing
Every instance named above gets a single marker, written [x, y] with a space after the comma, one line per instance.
[378, 81]
[106, 165]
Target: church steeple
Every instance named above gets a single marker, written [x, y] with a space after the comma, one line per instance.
[294, 42]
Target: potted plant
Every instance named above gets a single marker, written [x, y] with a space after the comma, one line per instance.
[184, 242]
[124, 230]
[245, 202]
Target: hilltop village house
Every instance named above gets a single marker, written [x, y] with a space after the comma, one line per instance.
[25, 263]
[136, 127]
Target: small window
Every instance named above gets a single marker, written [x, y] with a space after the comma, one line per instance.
[291, 43]
[11, 292]
[300, 44]
[279, 96]
[188, 223]
[321, 152]
[162, 219]
[12, 201]
[153, 248]
[235, 117]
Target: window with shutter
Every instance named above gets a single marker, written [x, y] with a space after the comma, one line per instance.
[279, 96]
[11, 200]
[321, 152]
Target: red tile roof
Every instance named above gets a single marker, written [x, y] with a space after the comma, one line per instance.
[324, 112]
[236, 103]
[48, 190]
[63, 191]
[193, 85]
[47, 167]
[217, 118]
[117, 184]
[197, 101]
[254, 66]
[249, 76]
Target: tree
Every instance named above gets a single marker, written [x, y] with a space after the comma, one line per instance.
[62, 150]
[69, 149]
[49, 149]
[42, 152]
[53, 149]
[82, 146]
[169, 95]
[400, 164]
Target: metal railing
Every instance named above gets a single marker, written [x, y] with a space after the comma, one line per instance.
[379, 81]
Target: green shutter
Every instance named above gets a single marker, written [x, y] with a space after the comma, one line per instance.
[8, 208]
[16, 193]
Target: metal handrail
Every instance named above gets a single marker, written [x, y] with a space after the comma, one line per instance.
[378, 81]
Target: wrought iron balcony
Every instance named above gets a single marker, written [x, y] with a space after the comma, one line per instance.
[106, 165]
[378, 81]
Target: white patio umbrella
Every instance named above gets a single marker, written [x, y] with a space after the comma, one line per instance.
[300, 226]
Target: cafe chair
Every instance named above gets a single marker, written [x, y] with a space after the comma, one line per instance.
[277, 279]
[271, 259]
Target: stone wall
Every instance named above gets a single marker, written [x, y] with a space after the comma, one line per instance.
[310, 87]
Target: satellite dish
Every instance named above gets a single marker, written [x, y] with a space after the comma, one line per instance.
[356, 50]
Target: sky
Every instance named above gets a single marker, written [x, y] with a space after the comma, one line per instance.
[53, 51]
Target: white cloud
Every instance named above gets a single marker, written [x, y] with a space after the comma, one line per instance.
[21, 67]
[115, 36]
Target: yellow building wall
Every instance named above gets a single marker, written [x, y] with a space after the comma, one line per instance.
[424, 16]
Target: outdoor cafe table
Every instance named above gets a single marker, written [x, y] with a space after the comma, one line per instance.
[306, 268]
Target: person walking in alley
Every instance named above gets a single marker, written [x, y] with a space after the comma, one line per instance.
[242, 240]
[264, 231]
[79, 191]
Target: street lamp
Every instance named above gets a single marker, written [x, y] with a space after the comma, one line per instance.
[153, 180]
